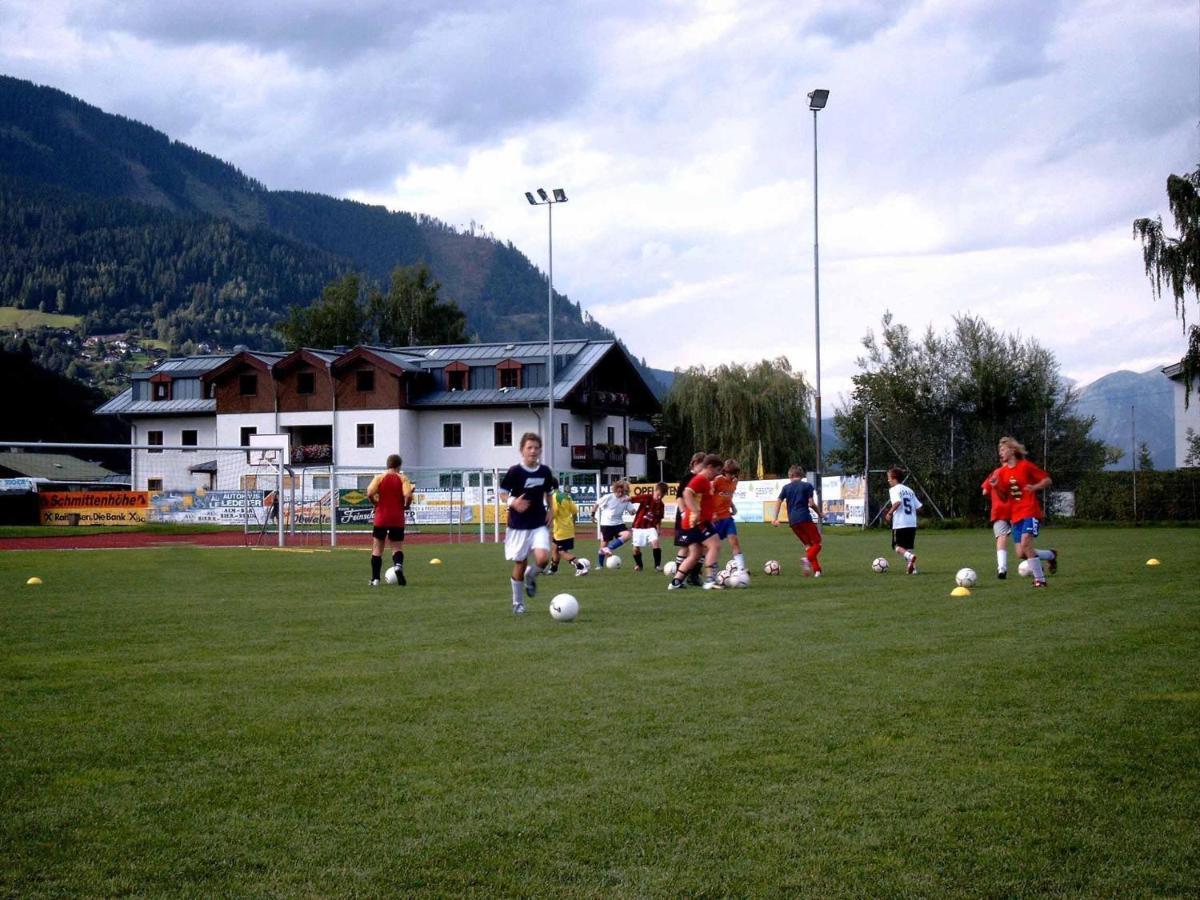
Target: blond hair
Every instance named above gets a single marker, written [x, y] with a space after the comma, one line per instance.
[1014, 445]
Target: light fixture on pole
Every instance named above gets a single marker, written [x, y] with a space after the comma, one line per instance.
[661, 452]
[560, 196]
[816, 102]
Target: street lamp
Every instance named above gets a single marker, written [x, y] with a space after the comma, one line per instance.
[560, 196]
[816, 102]
[661, 452]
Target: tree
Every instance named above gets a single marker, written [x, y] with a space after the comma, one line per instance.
[731, 409]
[411, 313]
[1145, 461]
[1112, 455]
[1192, 439]
[338, 318]
[1176, 261]
[938, 405]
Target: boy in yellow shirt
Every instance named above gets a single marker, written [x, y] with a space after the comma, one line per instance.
[562, 532]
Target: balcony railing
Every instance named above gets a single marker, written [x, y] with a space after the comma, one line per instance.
[597, 456]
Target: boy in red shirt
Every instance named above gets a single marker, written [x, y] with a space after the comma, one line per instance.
[1018, 482]
[650, 512]
[1001, 514]
[696, 532]
[390, 492]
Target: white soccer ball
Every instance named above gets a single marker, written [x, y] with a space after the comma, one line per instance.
[738, 580]
[1024, 569]
[613, 562]
[771, 567]
[723, 579]
[730, 567]
[582, 567]
[564, 608]
[670, 568]
[966, 578]
[389, 575]
[879, 564]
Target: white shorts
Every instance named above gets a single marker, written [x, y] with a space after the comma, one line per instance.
[1001, 528]
[644, 537]
[520, 542]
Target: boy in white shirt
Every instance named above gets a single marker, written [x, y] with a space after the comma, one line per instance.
[903, 516]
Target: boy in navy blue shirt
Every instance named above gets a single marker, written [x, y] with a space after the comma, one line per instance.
[803, 516]
[524, 488]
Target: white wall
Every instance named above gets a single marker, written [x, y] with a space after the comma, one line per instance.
[171, 466]
[1185, 419]
[396, 431]
[478, 450]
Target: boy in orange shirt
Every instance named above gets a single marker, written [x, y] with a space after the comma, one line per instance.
[724, 486]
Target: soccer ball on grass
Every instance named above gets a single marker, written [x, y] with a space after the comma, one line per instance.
[564, 608]
[670, 568]
[966, 578]
[613, 562]
[389, 575]
[879, 564]
[771, 567]
[738, 580]
[1024, 569]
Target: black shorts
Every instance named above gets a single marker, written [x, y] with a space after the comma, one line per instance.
[698, 535]
[608, 532]
[379, 532]
[905, 538]
[565, 544]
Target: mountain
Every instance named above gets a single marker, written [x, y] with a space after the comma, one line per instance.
[108, 219]
[1124, 401]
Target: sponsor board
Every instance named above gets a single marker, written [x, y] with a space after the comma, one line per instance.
[19, 485]
[201, 507]
[94, 507]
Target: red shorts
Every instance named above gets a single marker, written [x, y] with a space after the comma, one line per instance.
[807, 532]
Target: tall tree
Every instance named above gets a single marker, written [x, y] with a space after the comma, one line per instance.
[411, 313]
[939, 404]
[731, 409]
[338, 318]
[1175, 261]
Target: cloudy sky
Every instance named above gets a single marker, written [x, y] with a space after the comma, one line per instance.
[975, 156]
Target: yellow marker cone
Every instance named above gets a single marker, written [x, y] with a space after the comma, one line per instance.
[435, 562]
[960, 592]
[34, 580]
[1153, 562]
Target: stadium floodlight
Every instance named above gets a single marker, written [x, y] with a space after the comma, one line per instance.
[560, 196]
[661, 452]
[816, 102]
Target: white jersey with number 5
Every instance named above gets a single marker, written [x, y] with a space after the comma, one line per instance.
[905, 515]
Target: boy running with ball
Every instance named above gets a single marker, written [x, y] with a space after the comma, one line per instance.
[803, 516]
[524, 488]
[1019, 480]
[903, 516]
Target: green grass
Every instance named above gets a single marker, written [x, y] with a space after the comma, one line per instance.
[12, 318]
[188, 722]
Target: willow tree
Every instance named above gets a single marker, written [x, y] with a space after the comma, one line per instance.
[732, 410]
[1175, 261]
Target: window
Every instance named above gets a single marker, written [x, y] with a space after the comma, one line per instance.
[305, 383]
[612, 435]
[246, 432]
[154, 484]
[154, 439]
[587, 434]
[364, 380]
[450, 480]
[456, 380]
[321, 483]
[248, 385]
[160, 390]
[188, 437]
[364, 482]
[210, 390]
[565, 431]
[366, 434]
[502, 434]
[451, 434]
[510, 378]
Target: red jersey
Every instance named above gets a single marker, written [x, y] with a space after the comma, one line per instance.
[723, 488]
[389, 511]
[650, 511]
[1015, 481]
[1001, 505]
[702, 488]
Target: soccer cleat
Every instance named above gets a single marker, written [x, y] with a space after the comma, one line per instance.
[817, 574]
[676, 585]
[710, 584]
[374, 582]
[637, 568]
[694, 579]
[553, 570]
[1002, 574]
[1052, 563]
[1039, 584]
[518, 609]
[912, 565]
[658, 568]
[530, 584]
[400, 579]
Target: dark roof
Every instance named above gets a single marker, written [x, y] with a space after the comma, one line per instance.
[53, 467]
[124, 404]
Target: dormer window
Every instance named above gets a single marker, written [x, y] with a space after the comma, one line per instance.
[160, 390]
[248, 384]
[508, 374]
[306, 383]
[456, 377]
[364, 380]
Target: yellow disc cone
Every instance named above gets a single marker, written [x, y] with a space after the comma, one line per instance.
[34, 580]
[960, 592]
[1153, 562]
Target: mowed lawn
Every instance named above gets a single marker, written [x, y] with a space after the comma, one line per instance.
[200, 723]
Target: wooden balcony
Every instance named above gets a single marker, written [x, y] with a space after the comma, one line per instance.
[597, 456]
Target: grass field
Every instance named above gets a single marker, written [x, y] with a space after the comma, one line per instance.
[12, 318]
[189, 722]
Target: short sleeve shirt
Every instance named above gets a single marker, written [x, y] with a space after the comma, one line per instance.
[702, 488]
[533, 484]
[905, 515]
[797, 494]
[723, 488]
[1001, 505]
[1016, 480]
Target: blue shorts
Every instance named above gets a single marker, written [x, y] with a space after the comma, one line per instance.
[725, 527]
[1023, 527]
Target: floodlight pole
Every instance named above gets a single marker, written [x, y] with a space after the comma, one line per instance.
[816, 102]
[559, 196]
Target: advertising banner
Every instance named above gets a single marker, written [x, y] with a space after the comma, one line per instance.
[94, 507]
[210, 507]
[18, 485]
[353, 508]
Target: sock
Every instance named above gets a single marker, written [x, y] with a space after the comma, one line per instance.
[553, 567]
[908, 555]
[1044, 554]
[657, 557]
[518, 590]
[813, 555]
[712, 571]
[679, 558]
[398, 559]
[376, 566]
[532, 570]
[615, 543]
[1001, 560]
[637, 558]
[1036, 564]
[740, 560]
